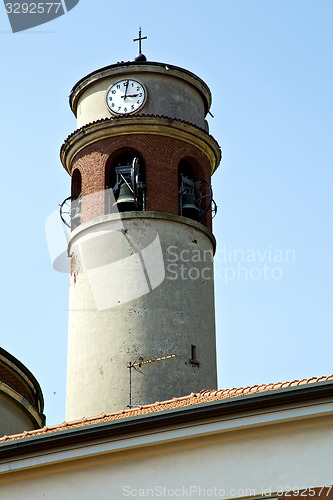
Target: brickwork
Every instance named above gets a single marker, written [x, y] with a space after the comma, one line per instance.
[13, 380]
[161, 155]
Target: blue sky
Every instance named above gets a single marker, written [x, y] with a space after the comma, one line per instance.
[269, 67]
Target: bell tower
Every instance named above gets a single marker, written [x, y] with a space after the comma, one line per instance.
[141, 311]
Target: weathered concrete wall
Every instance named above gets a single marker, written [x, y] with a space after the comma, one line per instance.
[141, 288]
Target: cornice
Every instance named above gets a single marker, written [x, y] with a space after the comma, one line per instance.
[105, 220]
[138, 67]
[139, 124]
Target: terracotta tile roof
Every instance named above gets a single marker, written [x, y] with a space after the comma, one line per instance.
[190, 400]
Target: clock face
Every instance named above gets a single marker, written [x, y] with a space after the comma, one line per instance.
[125, 97]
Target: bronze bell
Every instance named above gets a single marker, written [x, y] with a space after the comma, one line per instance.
[126, 200]
[189, 208]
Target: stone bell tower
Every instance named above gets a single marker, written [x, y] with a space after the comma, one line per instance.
[141, 312]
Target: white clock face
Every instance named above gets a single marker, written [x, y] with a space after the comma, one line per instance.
[125, 97]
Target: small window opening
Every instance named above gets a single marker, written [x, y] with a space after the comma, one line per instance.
[193, 359]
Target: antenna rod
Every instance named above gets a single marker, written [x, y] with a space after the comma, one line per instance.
[130, 384]
[139, 363]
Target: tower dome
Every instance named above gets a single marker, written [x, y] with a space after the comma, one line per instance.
[21, 398]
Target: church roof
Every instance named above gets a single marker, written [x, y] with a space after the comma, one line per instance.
[191, 400]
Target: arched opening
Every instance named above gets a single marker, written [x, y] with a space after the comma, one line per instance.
[186, 189]
[76, 199]
[195, 193]
[125, 183]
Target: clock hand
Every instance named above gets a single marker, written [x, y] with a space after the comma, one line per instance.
[126, 89]
[131, 95]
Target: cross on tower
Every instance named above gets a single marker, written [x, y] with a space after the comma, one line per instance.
[140, 40]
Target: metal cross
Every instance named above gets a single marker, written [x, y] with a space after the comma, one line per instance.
[139, 40]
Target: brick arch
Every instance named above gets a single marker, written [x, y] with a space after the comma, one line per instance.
[113, 156]
[198, 161]
[76, 182]
[198, 169]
